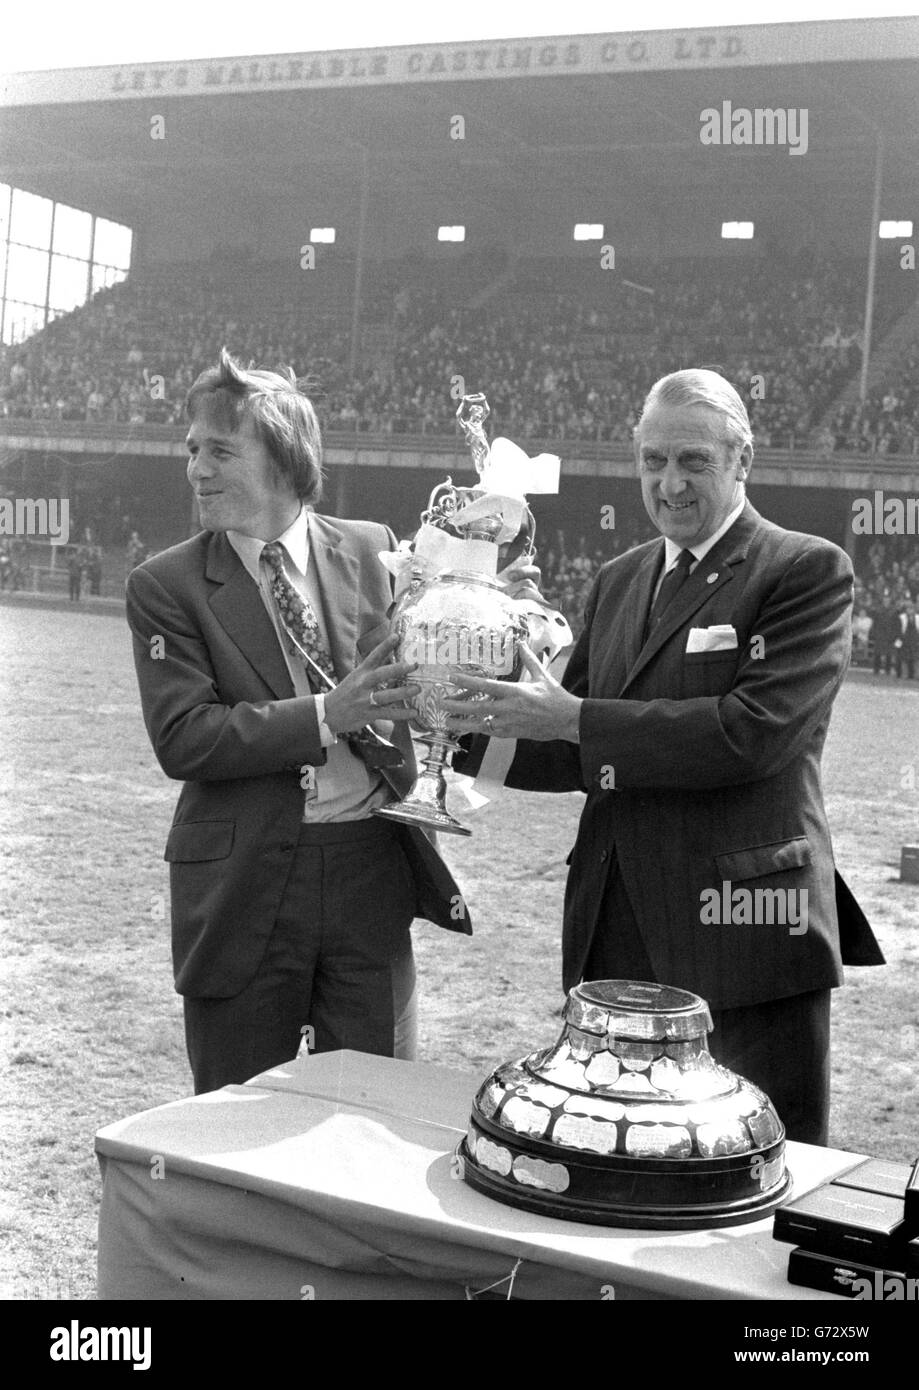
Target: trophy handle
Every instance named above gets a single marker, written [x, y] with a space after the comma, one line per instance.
[436, 510]
[529, 550]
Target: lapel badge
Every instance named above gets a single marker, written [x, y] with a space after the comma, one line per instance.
[712, 577]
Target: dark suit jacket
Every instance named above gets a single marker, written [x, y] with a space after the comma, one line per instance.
[885, 627]
[909, 633]
[714, 761]
[222, 716]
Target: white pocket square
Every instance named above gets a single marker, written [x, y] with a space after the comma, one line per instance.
[720, 638]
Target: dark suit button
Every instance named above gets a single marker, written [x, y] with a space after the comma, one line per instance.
[286, 847]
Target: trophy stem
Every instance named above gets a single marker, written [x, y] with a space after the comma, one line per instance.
[425, 804]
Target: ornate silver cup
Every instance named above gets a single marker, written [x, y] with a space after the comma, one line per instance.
[628, 1120]
[459, 620]
[456, 622]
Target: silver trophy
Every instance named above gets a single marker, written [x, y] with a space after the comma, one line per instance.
[628, 1120]
[459, 620]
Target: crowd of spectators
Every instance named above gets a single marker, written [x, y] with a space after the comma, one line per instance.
[96, 550]
[885, 624]
[887, 422]
[568, 567]
[132, 352]
[555, 365]
[562, 369]
[556, 362]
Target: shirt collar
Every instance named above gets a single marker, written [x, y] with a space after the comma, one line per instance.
[672, 550]
[295, 540]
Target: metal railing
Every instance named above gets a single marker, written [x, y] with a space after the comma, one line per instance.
[407, 432]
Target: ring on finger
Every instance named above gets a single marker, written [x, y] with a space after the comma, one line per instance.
[489, 722]
[373, 697]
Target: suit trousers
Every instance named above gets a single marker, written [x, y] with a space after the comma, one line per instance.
[338, 969]
[781, 1045]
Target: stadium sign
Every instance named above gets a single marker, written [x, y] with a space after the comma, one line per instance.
[770, 45]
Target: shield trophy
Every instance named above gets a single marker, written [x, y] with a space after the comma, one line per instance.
[460, 619]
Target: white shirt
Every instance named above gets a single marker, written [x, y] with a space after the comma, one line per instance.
[672, 551]
[344, 788]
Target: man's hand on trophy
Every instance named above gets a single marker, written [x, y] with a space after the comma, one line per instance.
[361, 696]
[521, 581]
[538, 708]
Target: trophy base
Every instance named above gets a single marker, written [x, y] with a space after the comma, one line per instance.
[427, 817]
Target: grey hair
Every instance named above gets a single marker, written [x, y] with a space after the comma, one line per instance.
[700, 386]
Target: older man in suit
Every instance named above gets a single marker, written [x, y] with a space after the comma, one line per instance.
[262, 650]
[693, 712]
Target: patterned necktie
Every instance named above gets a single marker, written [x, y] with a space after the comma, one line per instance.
[298, 617]
[673, 582]
[300, 623]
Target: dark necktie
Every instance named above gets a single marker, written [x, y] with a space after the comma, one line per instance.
[672, 583]
[300, 623]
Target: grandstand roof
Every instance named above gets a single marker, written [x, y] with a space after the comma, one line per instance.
[606, 123]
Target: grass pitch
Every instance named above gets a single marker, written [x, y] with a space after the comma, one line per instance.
[91, 1027]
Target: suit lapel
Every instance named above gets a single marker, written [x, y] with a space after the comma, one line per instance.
[338, 581]
[238, 607]
[711, 574]
[618, 646]
[640, 598]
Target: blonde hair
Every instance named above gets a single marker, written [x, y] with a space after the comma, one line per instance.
[282, 416]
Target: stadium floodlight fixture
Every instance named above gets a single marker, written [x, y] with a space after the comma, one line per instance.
[588, 231]
[451, 233]
[737, 231]
[326, 234]
[887, 231]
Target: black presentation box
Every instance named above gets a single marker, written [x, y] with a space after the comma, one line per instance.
[849, 1280]
[912, 1257]
[877, 1175]
[846, 1223]
[911, 1201]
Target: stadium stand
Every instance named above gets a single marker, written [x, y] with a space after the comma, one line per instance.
[557, 366]
[392, 326]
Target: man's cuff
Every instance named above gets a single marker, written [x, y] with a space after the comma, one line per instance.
[326, 737]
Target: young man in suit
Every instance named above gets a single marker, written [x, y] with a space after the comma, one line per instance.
[291, 902]
[693, 712]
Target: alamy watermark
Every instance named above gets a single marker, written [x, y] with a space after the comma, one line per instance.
[46, 517]
[881, 1287]
[885, 516]
[80, 1343]
[433, 643]
[763, 125]
[729, 906]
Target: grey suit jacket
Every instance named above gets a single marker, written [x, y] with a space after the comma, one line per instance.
[221, 712]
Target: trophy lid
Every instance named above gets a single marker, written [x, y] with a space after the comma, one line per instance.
[637, 1009]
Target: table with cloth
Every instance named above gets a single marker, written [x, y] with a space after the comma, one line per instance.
[334, 1177]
